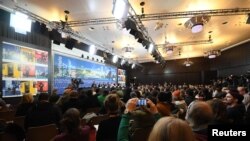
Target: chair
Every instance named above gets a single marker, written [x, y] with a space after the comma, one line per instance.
[7, 115]
[96, 120]
[93, 110]
[42, 133]
[19, 121]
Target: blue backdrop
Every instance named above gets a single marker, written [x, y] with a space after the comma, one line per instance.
[66, 68]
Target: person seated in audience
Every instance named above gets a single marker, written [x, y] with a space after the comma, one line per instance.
[171, 129]
[71, 127]
[246, 101]
[25, 104]
[137, 118]
[180, 103]
[189, 96]
[235, 107]
[42, 113]
[53, 98]
[199, 115]
[72, 102]
[165, 106]
[102, 97]
[92, 100]
[219, 111]
[108, 129]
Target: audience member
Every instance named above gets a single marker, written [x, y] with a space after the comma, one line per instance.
[25, 105]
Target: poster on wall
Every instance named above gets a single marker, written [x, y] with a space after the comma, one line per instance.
[87, 73]
[24, 70]
[121, 77]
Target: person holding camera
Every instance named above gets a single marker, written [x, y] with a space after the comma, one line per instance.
[138, 120]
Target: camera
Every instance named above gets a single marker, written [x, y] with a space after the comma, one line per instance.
[141, 102]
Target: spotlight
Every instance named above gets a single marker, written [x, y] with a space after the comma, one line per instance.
[197, 28]
[196, 23]
[151, 48]
[170, 50]
[120, 9]
[133, 66]
[115, 59]
[123, 62]
[92, 49]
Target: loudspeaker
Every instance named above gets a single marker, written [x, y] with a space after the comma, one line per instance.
[56, 36]
[70, 43]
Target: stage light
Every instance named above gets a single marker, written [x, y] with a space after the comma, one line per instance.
[123, 61]
[197, 28]
[115, 59]
[120, 9]
[92, 49]
[133, 66]
[20, 22]
[151, 48]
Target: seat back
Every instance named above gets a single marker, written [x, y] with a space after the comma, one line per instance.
[7, 115]
[42, 133]
[19, 121]
[96, 120]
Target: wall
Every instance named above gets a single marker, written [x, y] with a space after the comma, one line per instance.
[233, 61]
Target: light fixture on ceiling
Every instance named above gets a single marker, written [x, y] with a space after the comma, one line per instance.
[123, 62]
[151, 48]
[92, 49]
[120, 9]
[20, 22]
[133, 66]
[115, 59]
[127, 51]
[170, 49]
[188, 63]
[196, 23]
[212, 54]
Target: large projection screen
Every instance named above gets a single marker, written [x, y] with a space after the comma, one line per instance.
[67, 67]
[24, 70]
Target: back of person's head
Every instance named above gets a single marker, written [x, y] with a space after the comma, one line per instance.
[165, 97]
[219, 109]
[27, 98]
[71, 120]
[105, 92]
[171, 129]
[235, 94]
[112, 104]
[190, 92]
[74, 94]
[43, 97]
[89, 93]
[53, 98]
[14, 132]
[199, 114]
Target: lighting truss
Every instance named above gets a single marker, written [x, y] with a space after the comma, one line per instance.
[162, 16]
[58, 26]
[185, 43]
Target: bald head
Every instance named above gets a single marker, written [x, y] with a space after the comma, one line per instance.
[241, 90]
[199, 114]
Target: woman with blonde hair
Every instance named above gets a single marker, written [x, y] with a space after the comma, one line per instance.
[25, 104]
[171, 129]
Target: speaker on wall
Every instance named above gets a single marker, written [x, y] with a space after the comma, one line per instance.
[70, 43]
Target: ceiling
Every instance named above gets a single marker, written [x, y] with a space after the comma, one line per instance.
[173, 30]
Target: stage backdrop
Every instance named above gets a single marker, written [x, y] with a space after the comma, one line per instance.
[24, 70]
[66, 68]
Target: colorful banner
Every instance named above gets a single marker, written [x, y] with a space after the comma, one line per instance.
[24, 70]
[66, 68]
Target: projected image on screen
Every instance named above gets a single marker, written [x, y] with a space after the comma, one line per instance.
[121, 77]
[24, 70]
[66, 68]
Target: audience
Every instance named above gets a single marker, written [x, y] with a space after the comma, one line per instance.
[42, 113]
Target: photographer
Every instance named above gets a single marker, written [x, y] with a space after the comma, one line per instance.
[143, 118]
